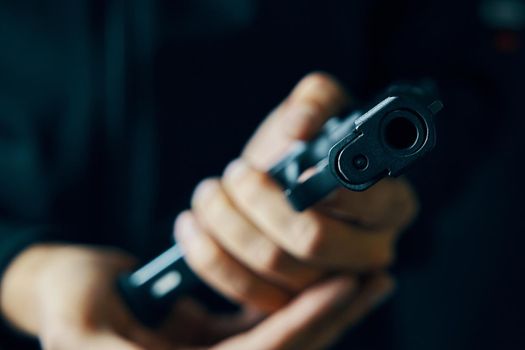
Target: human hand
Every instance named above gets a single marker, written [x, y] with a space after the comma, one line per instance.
[65, 296]
[255, 249]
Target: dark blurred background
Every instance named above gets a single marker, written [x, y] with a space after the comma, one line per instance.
[111, 111]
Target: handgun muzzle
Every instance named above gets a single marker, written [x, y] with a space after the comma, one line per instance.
[402, 131]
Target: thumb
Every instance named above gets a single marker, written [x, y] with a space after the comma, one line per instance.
[316, 317]
[315, 99]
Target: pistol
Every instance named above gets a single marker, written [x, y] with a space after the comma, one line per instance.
[383, 139]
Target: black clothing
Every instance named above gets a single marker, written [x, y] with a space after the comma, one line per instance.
[111, 111]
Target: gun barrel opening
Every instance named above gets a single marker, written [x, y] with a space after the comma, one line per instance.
[401, 133]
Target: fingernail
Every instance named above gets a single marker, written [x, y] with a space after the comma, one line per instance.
[236, 170]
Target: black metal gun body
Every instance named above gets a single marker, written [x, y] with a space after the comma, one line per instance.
[358, 151]
[354, 152]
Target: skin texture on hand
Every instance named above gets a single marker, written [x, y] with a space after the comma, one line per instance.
[65, 296]
[246, 241]
[298, 276]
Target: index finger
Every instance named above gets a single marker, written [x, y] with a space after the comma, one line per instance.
[315, 99]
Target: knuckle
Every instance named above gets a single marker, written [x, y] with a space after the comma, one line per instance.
[242, 287]
[250, 189]
[272, 258]
[316, 109]
[308, 238]
[326, 85]
[233, 236]
[204, 191]
[202, 254]
[208, 258]
[214, 211]
[320, 79]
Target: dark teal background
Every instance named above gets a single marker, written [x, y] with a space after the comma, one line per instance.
[111, 111]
